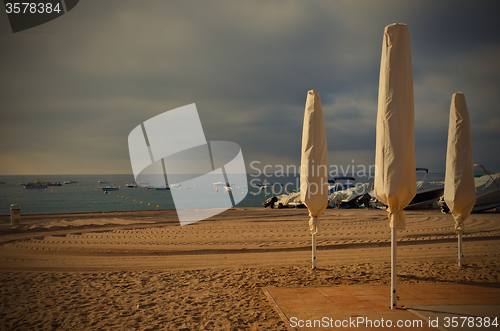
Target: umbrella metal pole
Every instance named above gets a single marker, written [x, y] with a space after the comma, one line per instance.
[459, 248]
[394, 297]
[314, 251]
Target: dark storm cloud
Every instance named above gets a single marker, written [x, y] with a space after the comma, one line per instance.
[74, 88]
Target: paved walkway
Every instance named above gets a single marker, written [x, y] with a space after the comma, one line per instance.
[363, 307]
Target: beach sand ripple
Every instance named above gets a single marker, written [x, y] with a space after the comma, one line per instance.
[123, 273]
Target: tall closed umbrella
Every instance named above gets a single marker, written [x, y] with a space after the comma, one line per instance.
[313, 167]
[395, 178]
[459, 188]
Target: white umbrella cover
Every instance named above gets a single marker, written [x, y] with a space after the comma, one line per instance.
[459, 187]
[313, 167]
[395, 177]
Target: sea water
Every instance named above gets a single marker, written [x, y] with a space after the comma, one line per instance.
[86, 195]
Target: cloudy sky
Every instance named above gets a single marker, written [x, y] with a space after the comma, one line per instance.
[74, 88]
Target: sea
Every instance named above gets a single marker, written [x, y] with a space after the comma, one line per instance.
[85, 194]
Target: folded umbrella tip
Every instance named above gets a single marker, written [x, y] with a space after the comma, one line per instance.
[395, 26]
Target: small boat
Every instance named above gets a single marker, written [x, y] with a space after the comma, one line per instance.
[162, 187]
[291, 200]
[347, 192]
[35, 184]
[145, 185]
[109, 188]
[53, 184]
[149, 186]
[343, 192]
[487, 190]
[260, 185]
[131, 185]
[102, 182]
[284, 198]
[70, 182]
[428, 192]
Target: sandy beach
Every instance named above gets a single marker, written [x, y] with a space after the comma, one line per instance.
[143, 271]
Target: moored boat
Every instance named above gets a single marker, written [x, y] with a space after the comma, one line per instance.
[261, 186]
[487, 190]
[34, 184]
[283, 198]
[109, 188]
[287, 200]
[162, 187]
[428, 192]
[347, 192]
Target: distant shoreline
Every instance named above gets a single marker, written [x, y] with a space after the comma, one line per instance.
[6, 218]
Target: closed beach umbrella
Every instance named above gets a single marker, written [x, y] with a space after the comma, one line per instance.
[395, 178]
[313, 167]
[459, 188]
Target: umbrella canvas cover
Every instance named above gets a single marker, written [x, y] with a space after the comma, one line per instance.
[395, 178]
[313, 167]
[459, 187]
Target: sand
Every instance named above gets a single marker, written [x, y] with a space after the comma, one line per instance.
[143, 271]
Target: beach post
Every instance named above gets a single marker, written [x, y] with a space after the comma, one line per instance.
[459, 185]
[314, 251]
[395, 182]
[460, 255]
[394, 259]
[313, 165]
[15, 214]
